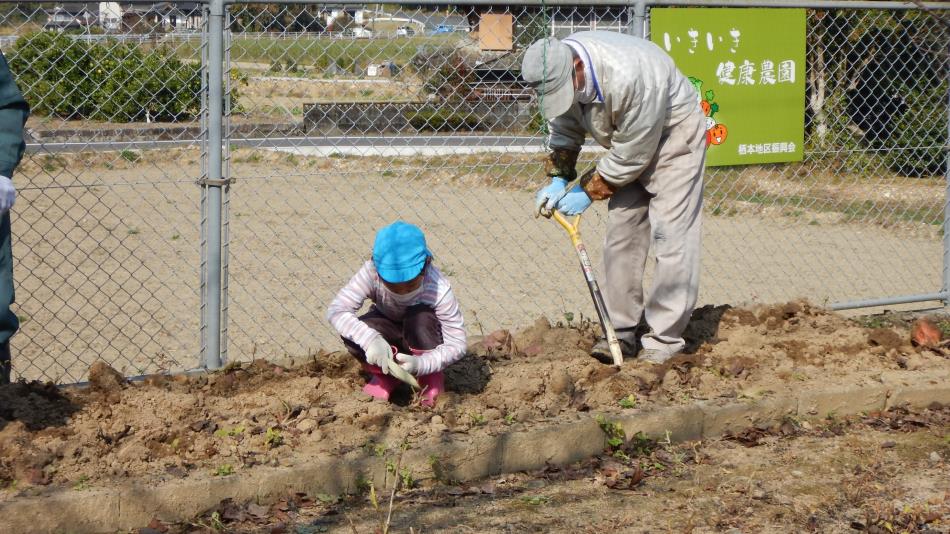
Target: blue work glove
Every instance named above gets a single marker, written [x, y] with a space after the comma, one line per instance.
[547, 198]
[574, 202]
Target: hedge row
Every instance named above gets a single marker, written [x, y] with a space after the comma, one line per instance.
[109, 81]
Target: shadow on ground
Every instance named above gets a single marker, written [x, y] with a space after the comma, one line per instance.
[35, 404]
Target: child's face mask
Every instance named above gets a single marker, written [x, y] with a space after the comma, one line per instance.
[405, 292]
[406, 298]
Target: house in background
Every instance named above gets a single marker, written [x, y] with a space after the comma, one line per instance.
[189, 15]
[125, 16]
[162, 16]
[340, 16]
[73, 16]
[589, 18]
[497, 77]
[110, 16]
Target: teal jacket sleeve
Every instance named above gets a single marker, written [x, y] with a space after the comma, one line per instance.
[13, 113]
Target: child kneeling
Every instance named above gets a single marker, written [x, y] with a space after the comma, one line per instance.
[415, 320]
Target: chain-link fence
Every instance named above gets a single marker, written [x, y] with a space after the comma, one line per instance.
[339, 118]
[105, 226]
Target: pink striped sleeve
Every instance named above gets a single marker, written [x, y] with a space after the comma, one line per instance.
[454, 343]
[348, 301]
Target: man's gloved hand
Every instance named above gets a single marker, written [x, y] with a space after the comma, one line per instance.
[574, 202]
[547, 198]
[8, 194]
[596, 187]
[379, 353]
[409, 363]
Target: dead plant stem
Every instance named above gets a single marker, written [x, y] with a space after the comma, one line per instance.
[392, 494]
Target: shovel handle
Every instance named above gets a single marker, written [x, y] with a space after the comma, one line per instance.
[572, 227]
[573, 230]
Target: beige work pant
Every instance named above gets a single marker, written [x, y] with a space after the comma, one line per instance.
[664, 205]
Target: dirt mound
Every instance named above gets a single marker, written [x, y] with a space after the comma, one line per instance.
[261, 413]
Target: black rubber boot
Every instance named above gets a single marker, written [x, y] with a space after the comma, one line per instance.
[5, 364]
[601, 350]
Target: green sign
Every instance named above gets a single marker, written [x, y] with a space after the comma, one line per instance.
[748, 66]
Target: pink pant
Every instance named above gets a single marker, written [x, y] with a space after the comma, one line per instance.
[418, 332]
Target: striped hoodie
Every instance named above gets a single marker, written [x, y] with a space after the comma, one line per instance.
[436, 292]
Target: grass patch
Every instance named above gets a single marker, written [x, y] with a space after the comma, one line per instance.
[223, 470]
[320, 53]
[82, 483]
[852, 210]
[628, 402]
[444, 120]
[229, 432]
[535, 500]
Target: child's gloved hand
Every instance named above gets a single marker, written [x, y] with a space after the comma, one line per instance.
[379, 353]
[409, 363]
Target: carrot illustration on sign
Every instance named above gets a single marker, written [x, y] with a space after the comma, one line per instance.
[716, 132]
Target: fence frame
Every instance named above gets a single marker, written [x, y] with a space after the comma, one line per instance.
[215, 141]
[212, 316]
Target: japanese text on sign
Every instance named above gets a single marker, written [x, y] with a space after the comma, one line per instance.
[748, 73]
[692, 37]
[730, 72]
[766, 148]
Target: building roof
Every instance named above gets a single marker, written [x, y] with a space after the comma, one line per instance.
[79, 7]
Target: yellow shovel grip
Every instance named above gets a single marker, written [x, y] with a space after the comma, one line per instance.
[573, 229]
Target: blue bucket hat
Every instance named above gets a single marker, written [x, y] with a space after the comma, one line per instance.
[400, 252]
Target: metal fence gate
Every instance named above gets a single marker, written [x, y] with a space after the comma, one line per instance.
[138, 241]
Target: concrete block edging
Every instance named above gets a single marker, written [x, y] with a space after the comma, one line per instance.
[130, 505]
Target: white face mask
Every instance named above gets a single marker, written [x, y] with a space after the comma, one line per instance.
[585, 94]
[407, 298]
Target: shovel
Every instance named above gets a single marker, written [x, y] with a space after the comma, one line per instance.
[605, 324]
[398, 372]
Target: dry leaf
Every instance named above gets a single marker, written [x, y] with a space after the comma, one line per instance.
[925, 334]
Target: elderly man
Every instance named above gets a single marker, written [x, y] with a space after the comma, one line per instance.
[630, 97]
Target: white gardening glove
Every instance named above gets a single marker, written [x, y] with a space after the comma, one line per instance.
[379, 353]
[7, 194]
[410, 364]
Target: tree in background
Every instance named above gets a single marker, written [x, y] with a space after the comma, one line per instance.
[877, 79]
[104, 80]
[276, 18]
[916, 65]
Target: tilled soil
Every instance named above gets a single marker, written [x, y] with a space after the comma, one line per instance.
[882, 473]
[262, 413]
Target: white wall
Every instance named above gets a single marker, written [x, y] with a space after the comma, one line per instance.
[110, 15]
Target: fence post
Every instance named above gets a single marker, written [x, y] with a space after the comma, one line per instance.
[637, 14]
[946, 201]
[211, 359]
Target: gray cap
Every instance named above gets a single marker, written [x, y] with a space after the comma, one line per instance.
[546, 68]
